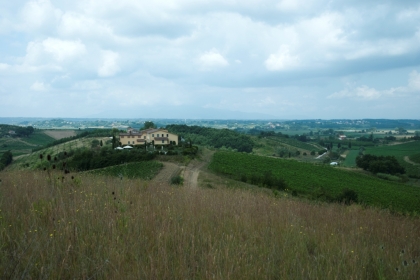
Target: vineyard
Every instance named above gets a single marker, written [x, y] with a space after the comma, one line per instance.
[415, 158]
[296, 143]
[319, 181]
[143, 170]
[400, 151]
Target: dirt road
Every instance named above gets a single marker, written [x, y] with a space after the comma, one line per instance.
[190, 172]
[407, 159]
[168, 171]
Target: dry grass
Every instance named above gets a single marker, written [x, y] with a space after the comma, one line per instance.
[97, 227]
[59, 134]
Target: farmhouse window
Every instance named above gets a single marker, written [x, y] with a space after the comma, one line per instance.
[122, 136]
[167, 135]
[153, 135]
[157, 135]
[163, 141]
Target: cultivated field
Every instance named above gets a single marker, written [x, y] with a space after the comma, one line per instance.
[319, 181]
[59, 134]
[400, 151]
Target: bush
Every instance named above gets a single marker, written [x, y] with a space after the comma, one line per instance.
[380, 164]
[177, 180]
[347, 196]
[6, 158]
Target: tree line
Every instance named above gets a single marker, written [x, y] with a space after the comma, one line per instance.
[213, 137]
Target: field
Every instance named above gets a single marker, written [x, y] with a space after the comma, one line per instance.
[144, 170]
[60, 134]
[350, 160]
[107, 228]
[320, 180]
[296, 143]
[24, 145]
[31, 160]
[400, 151]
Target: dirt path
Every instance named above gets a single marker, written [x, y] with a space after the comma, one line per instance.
[192, 170]
[191, 173]
[407, 159]
[168, 171]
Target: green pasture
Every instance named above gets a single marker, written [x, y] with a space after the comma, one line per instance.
[318, 181]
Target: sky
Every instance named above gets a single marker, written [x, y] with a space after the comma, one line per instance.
[262, 59]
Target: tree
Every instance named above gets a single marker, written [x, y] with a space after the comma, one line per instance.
[349, 144]
[380, 164]
[149, 124]
[101, 143]
[114, 141]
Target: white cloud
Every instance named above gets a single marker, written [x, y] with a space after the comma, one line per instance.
[76, 25]
[40, 13]
[38, 86]
[365, 93]
[282, 60]
[414, 81]
[109, 66]
[62, 50]
[4, 66]
[359, 93]
[212, 59]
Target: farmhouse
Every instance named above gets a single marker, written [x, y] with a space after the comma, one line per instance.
[156, 136]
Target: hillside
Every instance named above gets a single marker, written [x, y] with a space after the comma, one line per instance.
[89, 226]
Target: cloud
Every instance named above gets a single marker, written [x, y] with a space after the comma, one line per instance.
[62, 50]
[282, 49]
[365, 93]
[79, 25]
[359, 93]
[212, 59]
[38, 14]
[4, 66]
[38, 86]
[282, 60]
[109, 66]
[414, 81]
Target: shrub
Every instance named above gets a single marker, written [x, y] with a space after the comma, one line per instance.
[347, 196]
[177, 180]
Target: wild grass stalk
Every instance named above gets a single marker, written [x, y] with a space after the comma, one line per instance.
[99, 227]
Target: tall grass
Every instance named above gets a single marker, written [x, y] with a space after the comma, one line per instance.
[107, 228]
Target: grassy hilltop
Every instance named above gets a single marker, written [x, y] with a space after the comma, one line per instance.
[99, 213]
[100, 227]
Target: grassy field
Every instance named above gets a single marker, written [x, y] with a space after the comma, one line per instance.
[60, 133]
[24, 145]
[105, 228]
[400, 151]
[31, 161]
[144, 170]
[350, 160]
[317, 181]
